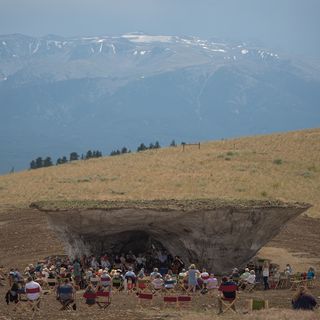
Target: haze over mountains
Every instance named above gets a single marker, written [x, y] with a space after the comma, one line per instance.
[60, 95]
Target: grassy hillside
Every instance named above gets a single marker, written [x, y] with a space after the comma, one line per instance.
[279, 166]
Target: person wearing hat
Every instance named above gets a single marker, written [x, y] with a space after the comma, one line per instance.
[243, 278]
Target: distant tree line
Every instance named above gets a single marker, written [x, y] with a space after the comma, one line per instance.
[47, 162]
[141, 147]
[118, 151]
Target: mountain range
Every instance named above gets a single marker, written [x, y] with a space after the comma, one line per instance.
[59, 95]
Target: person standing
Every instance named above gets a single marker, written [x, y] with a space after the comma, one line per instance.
[265, 274]
[192, 274]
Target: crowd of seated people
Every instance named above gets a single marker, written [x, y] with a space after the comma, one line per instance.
[124, 271]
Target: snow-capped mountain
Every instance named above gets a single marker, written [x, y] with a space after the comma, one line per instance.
[71, 94]
[125, 55]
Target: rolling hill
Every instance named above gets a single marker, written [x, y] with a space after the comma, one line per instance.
[282, 166]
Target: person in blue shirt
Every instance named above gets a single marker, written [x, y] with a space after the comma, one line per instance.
[310, 274]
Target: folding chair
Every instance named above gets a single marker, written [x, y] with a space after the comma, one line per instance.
[117, 285]
[51, 284]
[33, 304]
[274, 282]
[310, 283]
[130, 286]
[250, 287]
[227, 304]
[182, 285]
[90, 298]
[170, 300]
[224, 302]
[284, 281]
[169, 285]
[212, 286]
[184, 301]
[142, 285]
[67, 292]
[103, 299]
[148, 297]
[257, 304]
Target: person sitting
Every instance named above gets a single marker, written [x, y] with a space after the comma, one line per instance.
[228, 289]
[182, 274]
[33, 292]
[140, 262]
[204, 275]
[303, 300]
[212, 282]
[169, 280]
[310, 274]
[130, 275]
[90, 295]
[235, 275]
[105, 262]
[94, 279]
[157, 283]
[288, 270]
[154, 274]
[12, 295]
[243, 278]
[141, 274]
[105, 279]
[65, 294]
[33, 289]
[130, 279]
[250, 282]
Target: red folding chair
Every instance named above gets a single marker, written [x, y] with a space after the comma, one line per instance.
[103, 299]
[142, 285]
[147, 297]
[184, 301]
[130, 286]
[90, 298]
[170, 300]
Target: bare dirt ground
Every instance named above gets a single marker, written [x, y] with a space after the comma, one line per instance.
[25, 237]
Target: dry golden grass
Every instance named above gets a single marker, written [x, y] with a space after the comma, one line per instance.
[279, 166]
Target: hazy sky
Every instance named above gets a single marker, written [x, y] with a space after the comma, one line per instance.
[289, 25]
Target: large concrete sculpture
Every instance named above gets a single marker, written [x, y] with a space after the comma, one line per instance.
[213, 233]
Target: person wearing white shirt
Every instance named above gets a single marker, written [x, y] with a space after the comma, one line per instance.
[251, 278]
[266, 274]
[158, 282]
[33, 290]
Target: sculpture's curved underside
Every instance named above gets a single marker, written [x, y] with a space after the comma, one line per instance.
[212, 233]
